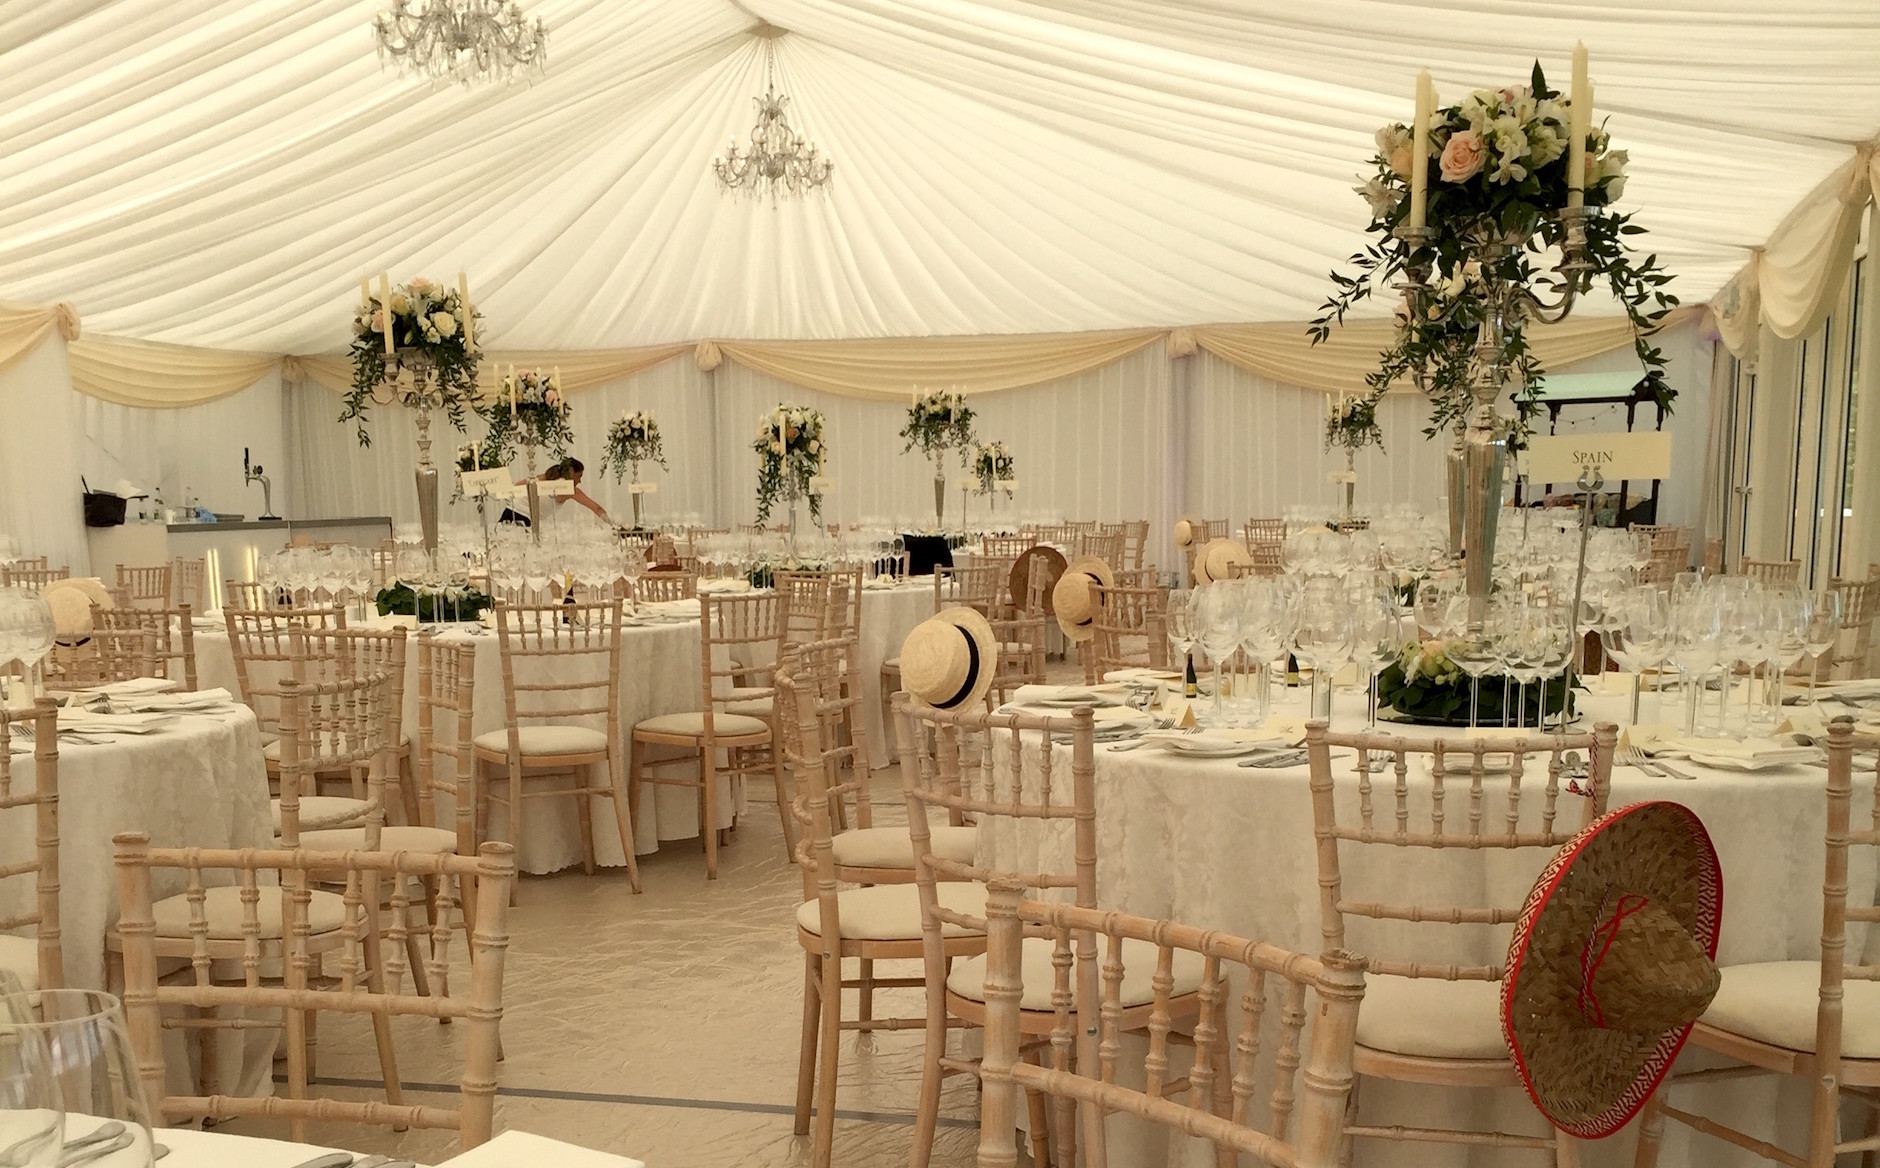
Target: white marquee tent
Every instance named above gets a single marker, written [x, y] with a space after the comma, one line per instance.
[1071, 179]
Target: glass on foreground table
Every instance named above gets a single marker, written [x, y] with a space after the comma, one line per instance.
[69, 1091]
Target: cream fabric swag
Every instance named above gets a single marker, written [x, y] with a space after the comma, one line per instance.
[160, 376]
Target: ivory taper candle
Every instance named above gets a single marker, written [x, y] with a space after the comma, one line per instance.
[385, 307]
[1420, 150]
[1579, 125]
[463, 306]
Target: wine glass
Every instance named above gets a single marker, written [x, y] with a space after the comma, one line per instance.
[91, 1070]
[32, 1111]
[1218, 629]
[1634, 633]
[1553, 627]
[1824, 629]
[1324, 637]
[1784, 638]
[1177, 624]
[1375, 639]
[1697, 629]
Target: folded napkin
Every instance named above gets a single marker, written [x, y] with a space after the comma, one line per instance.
[512, 1149]
[1225, 736]
[685, 608]
[134, 686]
[1864, 687]
[1027, 695]
[1140, 674]
[156, 702]
[1747, 754]
[86, 722]
[724, 585]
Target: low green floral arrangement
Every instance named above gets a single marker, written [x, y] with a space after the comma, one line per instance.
[1424, 685]
[763, 573]
[453, 602]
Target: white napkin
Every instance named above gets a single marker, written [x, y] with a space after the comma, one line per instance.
[724, 585]
[1140, 674]
[513, 1148]
[1026, 695]
[683, 609]
[134, 686]
[1748, 754]
[175, 702]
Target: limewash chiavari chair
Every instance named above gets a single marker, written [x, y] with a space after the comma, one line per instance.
[658, 587]
[101, 657]
[1266, 544]
[146, 585]
[1759, 1020]
[975, 585]
[261, 642]
[1773, 573]
[1004, 547]
[1310, 1077]
[172, 638]
[23, 562]
[37, 960]
[1135, 533]
[1022, 648]
[880, 921]
[1664, 534]
[561, 671]
[1437, 1020]
[1002, 772]
[1108, 548]
[747, 626]
[1860, 607]
[1129, 628]
[1667, 561]
[24, 574]
[229, 914]
[189, 583]
[805, 597]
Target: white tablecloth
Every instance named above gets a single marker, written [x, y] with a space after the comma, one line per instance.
[1220, 846]
[197, 1149]
[660, 674]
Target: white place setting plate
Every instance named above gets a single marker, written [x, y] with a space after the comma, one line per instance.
[1211, 746]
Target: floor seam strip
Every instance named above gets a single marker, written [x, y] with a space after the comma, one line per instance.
[888, 1117]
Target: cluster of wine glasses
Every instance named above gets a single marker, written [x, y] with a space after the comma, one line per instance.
[334, 575]
[26, 633]
[1247, 626]
[1523, 635]
[68, 1080]
[1722, 625]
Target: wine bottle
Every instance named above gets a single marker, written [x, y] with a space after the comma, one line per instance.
[1292, 670]
[1191, 688]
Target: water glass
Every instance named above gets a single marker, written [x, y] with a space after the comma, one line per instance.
[93, 1071]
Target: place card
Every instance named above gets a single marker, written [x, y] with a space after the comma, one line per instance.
[642, 488]
[554, 488]
[821, 484]
[1006, 485]
[1342, 476]
[1562, 458]
[493, 483]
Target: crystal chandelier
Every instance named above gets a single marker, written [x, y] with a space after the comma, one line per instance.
[460, 40]
[779, 160]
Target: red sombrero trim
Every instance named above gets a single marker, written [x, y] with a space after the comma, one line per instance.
[1709, 926]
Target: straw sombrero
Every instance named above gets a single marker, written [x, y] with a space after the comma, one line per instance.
[1072, 601]
[1184, 533]
[1049, 563]
[1611, 963]
[948, 659]
[71, 601]
[1215, 561]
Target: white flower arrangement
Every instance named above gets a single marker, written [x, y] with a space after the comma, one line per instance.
[431, 363]
[1351, 423]
[790, 452]
[992, 466]
[632, 439]
[530, 408]
[938, 422]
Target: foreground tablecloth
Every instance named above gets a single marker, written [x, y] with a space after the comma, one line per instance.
[1220, 846]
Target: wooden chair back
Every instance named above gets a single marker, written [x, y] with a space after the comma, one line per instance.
[100, 657]
[1022, 653]
[172, 636]
[446, 751]
[41, 725]
[1106, 547]
[1130, 628]
[1462, 805]
[1667, 561]
[24, 574]
[254, 596]
[1774, 573]
[1004, 547]
[1083, 1060]
[830, 770]
[1860, 608]
[560, 662]
[189, 584]
[1713, 556]
[806, 598]
[261, 642]
[151, 586]
[740, 635]
[1212, 529]
[23, 562]
[658, 587]
[1266, 544]
[341, 705]
[1135, 533]
[301, 961]
[973, 585]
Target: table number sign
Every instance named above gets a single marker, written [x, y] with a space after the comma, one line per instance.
[1563, 458]
[493, 483]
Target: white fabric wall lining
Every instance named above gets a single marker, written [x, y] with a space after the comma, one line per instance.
[40, 459]
[197, 449]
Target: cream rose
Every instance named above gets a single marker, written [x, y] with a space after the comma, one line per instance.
[444, 323]
[1393, 145]
[1463, 156]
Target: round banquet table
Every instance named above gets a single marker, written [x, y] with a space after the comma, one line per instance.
[660, 674]
[197, 783]
[1220, 846]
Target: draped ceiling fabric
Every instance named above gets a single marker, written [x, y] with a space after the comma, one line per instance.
[220, 173]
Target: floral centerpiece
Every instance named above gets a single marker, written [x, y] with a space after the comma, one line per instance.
[992, 465]
[412, 343]
[1501, 157]
[452, 602]
[1424, 685]
[530, 410]
[763, 573]
[631, 440]
[936, 423]
[1351, 424]
[789, 446]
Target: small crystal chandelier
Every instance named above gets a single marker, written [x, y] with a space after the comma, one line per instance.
[460, 40]
[779, 160]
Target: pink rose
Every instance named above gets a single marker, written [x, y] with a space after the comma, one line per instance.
[1463, 156]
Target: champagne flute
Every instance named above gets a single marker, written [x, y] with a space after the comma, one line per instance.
[1824, 629]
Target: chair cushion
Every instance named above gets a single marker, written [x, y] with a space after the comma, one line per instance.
[968, 978]
[891, 912]
[19, 956]
[223, 907]
[748, 708]
[428, 840]
[1775, 1002]
[892, 665]
[889, 847]
[723, 725]
[320, 809]
[1432, 1017]
[549, 740]
[742, 693]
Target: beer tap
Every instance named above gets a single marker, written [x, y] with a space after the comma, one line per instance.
[253, 474]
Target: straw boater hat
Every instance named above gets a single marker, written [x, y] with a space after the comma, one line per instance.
[1611, 963]
[1072, 601]
[948, 660]
[1050, 565]
[71, 601]
[1184, 533]
[1216, 560]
